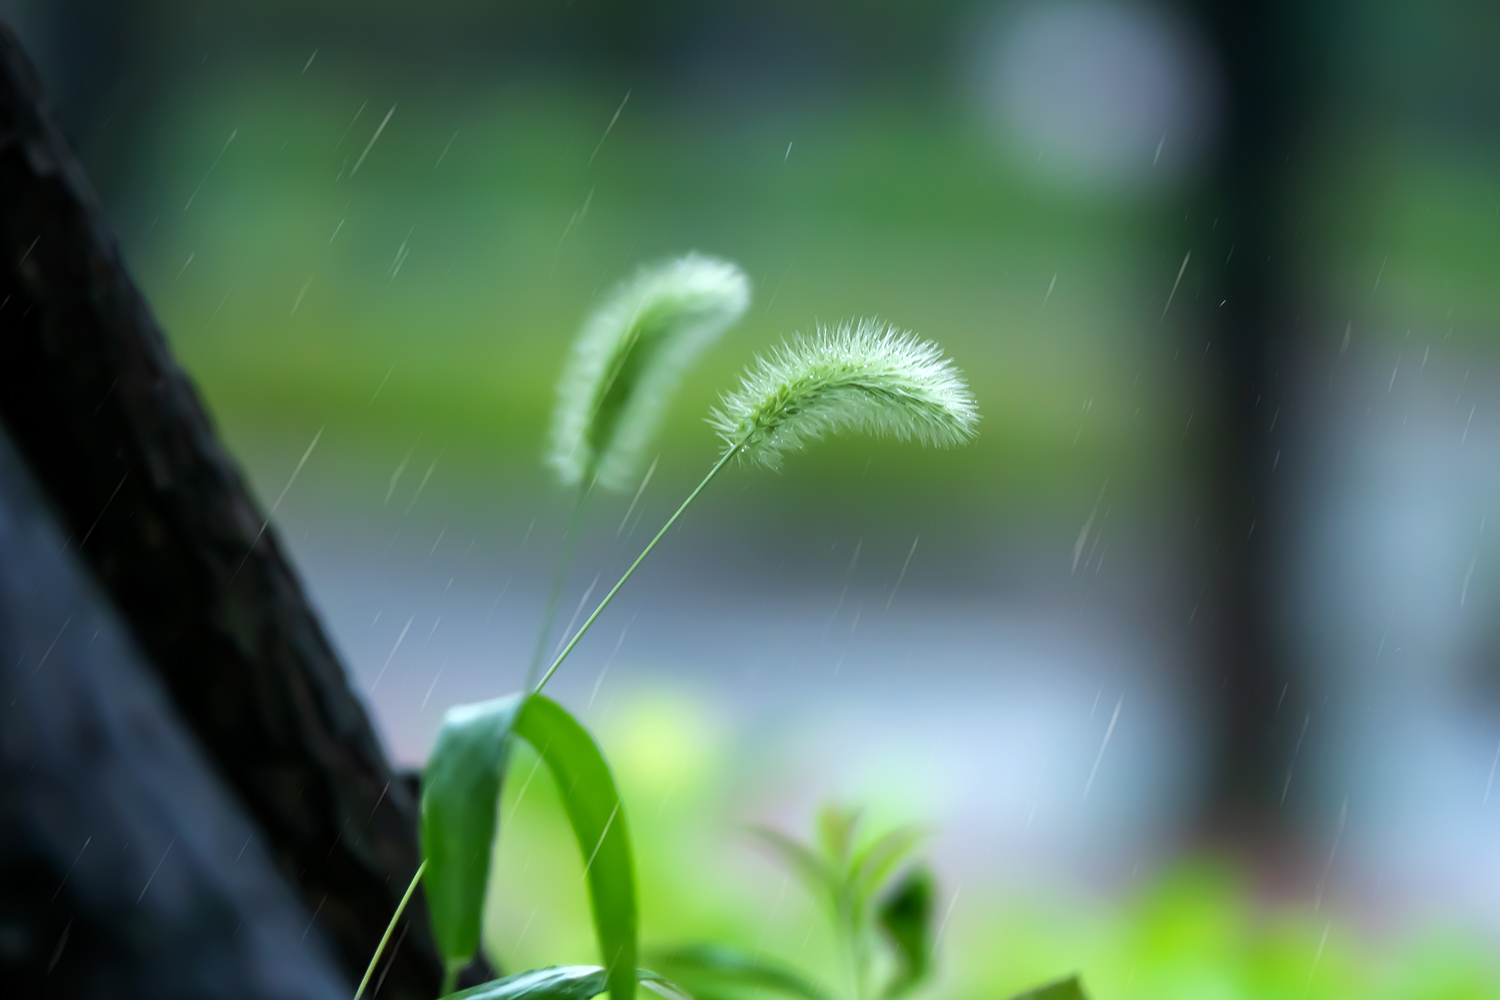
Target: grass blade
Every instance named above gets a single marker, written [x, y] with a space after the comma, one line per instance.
[594, 811]
[460, 791]
[386, 937]
[556, 982]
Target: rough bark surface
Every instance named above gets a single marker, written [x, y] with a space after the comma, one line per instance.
[126, 868]
[116, 436]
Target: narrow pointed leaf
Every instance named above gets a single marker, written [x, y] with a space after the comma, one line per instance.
[556, 982]
[875, 863]
[1064, 989]
[806, 865]
[702, 967]
[906, 918]
[460, 791]
[594, 811]
[836, 834]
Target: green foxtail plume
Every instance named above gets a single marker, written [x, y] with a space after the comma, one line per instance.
[629, 359]
[869, 377]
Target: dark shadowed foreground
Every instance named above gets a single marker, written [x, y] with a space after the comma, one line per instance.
[150, 504]
[125, 868]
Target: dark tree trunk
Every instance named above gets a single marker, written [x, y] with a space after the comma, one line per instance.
[116, 436]
[1247, 321]
[126, 868]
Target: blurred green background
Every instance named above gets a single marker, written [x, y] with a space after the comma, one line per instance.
[377, 226]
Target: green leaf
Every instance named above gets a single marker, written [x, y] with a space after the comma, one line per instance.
[556, 982]
[836, 832]
[1063, 989]
[460, 792]
[875, 863]
[692, 964]
[906, 917]
[806, 865]
[594, 811]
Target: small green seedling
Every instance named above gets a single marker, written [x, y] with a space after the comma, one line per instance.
[866, 378]
[872, 897]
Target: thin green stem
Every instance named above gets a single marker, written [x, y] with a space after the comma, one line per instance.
[859, 955]
[384, 938]
[845, 928]
[644, 553]
[559, 578]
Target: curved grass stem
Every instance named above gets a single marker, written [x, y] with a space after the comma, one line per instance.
[723, 461]
[559, 578]
[384, 938]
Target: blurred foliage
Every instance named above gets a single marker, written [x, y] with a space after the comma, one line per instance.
[829, 146]
[444, 279]
[854, 878]
[305, 287]
[1193, 930]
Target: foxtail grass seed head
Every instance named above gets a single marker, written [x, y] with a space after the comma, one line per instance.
[629, 359]
[868, 377]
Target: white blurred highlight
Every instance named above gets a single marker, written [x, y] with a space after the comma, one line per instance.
[1098, 96]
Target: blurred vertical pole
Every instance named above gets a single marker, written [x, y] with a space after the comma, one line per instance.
[1248, 317]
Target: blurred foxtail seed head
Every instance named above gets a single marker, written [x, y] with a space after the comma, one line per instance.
[630, 357]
